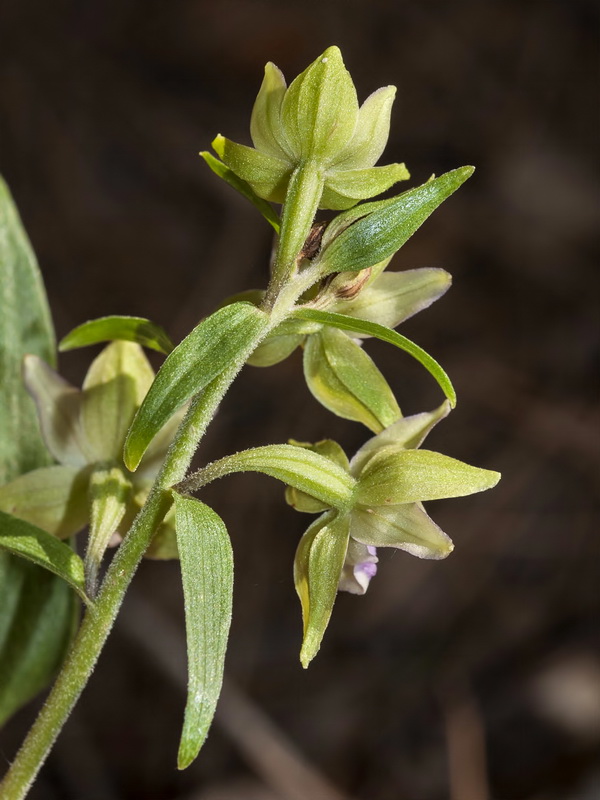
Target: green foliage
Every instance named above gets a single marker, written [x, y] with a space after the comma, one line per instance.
[108, 329]
[199, 358]
[207, 576]
[37, 608]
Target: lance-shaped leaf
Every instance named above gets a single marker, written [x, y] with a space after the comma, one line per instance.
[53, 498]
[199, 358]
[28, 541]
[109, 494]
[37, 609]
[37, 622]
[317, 570]
[382, 232]
[386, 335]
[243, 187]
[342, 377]
[109, 329]
[314, 474]
[405, 527]
[396, 476]
[25, 327]
[207, 574]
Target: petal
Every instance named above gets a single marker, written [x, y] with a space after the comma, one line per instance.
[395, 475]
[274, 349]
[320, 109]
[372, 131]
[163, 546]
[53, 498]
[408, 432]
[266, 129]
[268, 176]
[109, 494]
[58, 406]
[342, 377]
[395, 296]
[114, 387]
[360, 566]
[406, 527]
[344, 189]
[317, 570]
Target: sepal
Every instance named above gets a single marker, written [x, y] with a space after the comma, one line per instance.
[318, 568]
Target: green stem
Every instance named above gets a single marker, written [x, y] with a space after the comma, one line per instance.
[99, 620]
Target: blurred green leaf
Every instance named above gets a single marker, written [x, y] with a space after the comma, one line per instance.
[108, 329]
[200, 357]
[243, 187]
[207, 574]
[386, 335]
[37, 609]
[344, 378]
[36, 545]
[382, 232]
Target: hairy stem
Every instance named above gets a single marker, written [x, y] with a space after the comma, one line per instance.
[99, 620]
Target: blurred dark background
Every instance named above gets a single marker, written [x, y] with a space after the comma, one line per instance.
[473, 678]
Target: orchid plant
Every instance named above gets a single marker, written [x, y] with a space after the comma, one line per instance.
[113, 457]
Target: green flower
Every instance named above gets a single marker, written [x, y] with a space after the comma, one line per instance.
[318, 120]
[85, 430]
[338, 372]
[393, 478]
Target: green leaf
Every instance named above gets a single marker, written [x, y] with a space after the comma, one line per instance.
[28, 541]
[396, 476]
[382, 232]
[405, 527]
[386, 335]
[310, 472]
[199, 358]
[25, 327]
[342, 377]
[207, 574]
[38, 617]
[53, 498]
[108, 329]
[37, 609]
[243, 187]
[318, 567]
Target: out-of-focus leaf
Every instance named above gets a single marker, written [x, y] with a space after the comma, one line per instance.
[207, 574]
[243, 187]
[37, 609]
[365, 328]
[36, 545]
[200, 357]
[109, 329]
